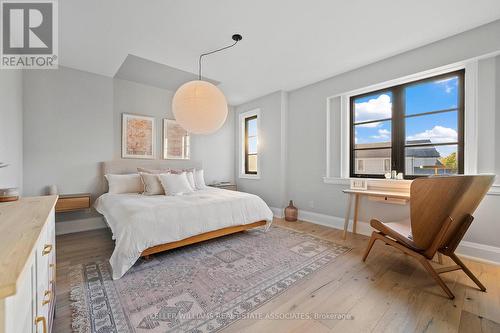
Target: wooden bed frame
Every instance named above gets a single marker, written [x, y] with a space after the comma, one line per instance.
[200, 238]
[126, 166]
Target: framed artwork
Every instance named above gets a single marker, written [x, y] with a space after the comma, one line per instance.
[176, 141]
[138, 136]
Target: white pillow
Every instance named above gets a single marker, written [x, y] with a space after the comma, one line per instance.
[152, 185]
[175, 184]
[130, 183]
[199, 180]
[190, 178]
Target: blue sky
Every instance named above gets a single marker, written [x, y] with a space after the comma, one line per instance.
[252, 131]
[419, 98]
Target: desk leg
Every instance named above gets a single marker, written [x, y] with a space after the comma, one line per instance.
[355, 220]
[347, 214]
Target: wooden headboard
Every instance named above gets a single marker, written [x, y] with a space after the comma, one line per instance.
[125, 166]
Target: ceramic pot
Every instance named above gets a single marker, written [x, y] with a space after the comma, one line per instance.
[291, 212]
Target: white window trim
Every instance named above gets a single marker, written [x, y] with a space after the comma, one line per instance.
[241, 144]
[470, 135]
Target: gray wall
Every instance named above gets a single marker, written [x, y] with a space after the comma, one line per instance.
[306, 158]
[307, 115]
[11, 128]
[72, 121]
[487, 87]
[269, 186]
[136, 98]
[68, 130]
[496, 137]
[216, 151]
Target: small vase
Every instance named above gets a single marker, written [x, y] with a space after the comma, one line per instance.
[291, 212]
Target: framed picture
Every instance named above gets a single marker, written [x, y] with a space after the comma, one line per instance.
[176, 141]
[138, 136]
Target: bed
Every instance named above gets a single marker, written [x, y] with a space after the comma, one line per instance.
[144, 225]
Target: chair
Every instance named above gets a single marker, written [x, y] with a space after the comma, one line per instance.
[441, 211]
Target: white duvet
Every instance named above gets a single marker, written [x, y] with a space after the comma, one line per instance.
[138, 221]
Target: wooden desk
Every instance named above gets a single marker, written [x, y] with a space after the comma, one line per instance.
[370, 193]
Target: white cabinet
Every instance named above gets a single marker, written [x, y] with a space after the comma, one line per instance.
[20, 308]
[31, 308]
[45, 261]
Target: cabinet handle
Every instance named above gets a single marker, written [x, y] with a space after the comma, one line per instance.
[46, 249]
[49, 294]
[53, 266]
[44, 322]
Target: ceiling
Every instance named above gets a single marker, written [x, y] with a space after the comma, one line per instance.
[155, 74]
[286, 43]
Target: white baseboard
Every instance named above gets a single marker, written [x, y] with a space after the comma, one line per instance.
[334, 222]
[470, 250]
[494, 190]
[480, 252]
[277, 212]
[69, 227]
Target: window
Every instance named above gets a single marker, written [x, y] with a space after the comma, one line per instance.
[251, 143]
[360, 165]
[387, 165]
[415, 128]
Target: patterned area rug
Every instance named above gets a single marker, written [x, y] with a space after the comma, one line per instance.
[199, 288]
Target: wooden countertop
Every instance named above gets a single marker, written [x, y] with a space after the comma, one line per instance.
[20, 225]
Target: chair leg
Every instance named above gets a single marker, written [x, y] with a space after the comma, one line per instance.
[467, 271]
[436, 277]
[373, 238]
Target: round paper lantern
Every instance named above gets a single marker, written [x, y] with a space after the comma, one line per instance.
[199, 107]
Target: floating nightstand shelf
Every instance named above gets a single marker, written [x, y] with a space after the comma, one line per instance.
[225, 186]
[73, 202]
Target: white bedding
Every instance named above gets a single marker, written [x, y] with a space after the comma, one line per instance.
[138, 221]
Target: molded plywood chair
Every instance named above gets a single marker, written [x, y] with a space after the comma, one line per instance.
[441, 211]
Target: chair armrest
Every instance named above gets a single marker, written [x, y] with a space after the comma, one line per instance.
[439, 239]
[375, 222]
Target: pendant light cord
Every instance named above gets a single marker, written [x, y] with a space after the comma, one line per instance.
[211, 52]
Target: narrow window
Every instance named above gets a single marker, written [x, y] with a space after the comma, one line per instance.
[251, 145]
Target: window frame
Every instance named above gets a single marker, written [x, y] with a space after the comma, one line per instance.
[243, 145]
[398, 125]
[247, 154]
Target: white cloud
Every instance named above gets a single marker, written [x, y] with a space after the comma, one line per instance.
[382, 134]
[437, 134]
[377, 108]
[448, 84]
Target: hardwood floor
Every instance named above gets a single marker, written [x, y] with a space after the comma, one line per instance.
[388, 293]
